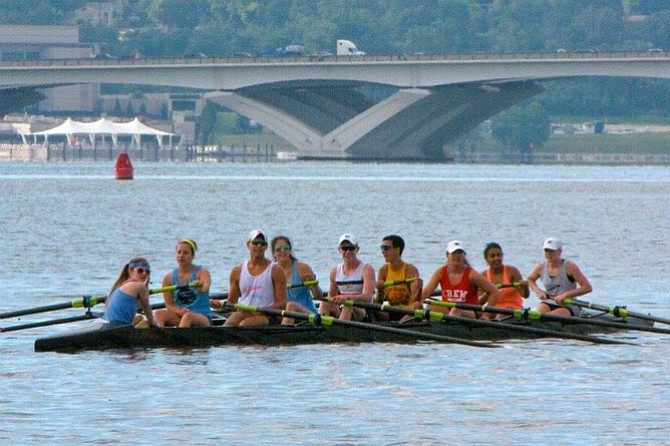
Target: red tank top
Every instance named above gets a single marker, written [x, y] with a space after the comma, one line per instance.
[463, 292]
[508, 297]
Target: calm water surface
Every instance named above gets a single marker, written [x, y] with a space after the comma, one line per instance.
[68, 228]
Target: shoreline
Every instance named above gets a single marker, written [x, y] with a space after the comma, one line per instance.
[41, 154]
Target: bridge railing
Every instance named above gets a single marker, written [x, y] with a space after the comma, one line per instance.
[333, 59]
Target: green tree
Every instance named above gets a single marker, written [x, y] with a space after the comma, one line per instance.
[522, 127]
[38, 12]
[179, 13]
[207, 122]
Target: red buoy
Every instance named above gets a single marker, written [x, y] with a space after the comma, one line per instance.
[124, 168]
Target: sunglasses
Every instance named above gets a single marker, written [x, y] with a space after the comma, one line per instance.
[259, 242]
[143, 270]
[348, 248]
[386, 247]
[280, 248]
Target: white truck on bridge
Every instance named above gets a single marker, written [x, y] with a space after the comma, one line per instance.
[347, 48]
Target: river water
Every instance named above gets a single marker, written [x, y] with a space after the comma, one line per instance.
[67, 228]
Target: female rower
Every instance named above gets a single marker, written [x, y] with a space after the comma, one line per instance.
[507, 278]
[189, 307]
[298, 297]
[128, 294]
[459, 283]
[561, 279]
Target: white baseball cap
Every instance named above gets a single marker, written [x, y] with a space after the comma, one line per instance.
[257, 234]
[553, 244]
[454, 246]
[351, 238]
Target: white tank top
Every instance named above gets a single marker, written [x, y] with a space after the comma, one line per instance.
[356, 276]
[257, 291]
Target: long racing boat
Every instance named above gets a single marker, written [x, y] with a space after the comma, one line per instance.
[101, 337]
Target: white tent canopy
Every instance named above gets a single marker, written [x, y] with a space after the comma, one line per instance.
[102, 127]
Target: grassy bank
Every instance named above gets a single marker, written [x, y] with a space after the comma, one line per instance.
[639, 143]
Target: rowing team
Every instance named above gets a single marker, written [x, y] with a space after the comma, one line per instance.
[288, 284]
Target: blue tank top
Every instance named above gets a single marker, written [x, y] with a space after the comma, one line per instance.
[191, 299]
[300, 295]
[121, 307]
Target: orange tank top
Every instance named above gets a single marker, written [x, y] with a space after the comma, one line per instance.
[508, 297]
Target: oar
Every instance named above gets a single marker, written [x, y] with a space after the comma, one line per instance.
[90, 315]
[65, 320]
[509, 285]
[86, 301]
[329, 320]
[618, 311]
[526, 314]
[434, 315]
[305, 283]
[398, 282]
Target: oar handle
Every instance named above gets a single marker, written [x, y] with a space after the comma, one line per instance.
[167, 289]
[397, 282]
[511, 285]
[306, 283]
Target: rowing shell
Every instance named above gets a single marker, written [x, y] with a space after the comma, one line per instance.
[101, 337]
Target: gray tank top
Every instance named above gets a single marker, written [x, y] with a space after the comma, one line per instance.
[559, 283]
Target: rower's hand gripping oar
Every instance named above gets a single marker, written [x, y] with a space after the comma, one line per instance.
[318, 319]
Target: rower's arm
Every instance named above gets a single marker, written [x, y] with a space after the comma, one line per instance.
[517, 279]
[143, 297]
[485, 285]
[381, 278]
[584, 287]
[415, 287]
[279, 285]
[307, 275]
[368, 292]
[168, 297]
[205, 278]
[432, 284]
[532, 281]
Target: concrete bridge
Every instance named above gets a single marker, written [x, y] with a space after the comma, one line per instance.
[316, 104]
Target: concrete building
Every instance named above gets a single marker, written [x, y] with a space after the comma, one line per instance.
[22, 42]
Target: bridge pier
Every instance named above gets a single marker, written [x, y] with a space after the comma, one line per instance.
[412, 123]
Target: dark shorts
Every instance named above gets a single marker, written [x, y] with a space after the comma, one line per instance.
[574, 310]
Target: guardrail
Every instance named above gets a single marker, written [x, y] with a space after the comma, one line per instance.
[637, 55]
